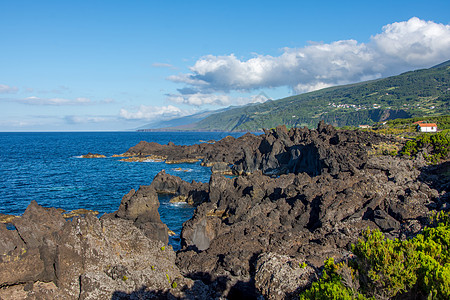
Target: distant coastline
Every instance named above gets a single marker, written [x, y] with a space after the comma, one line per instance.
[190, 130]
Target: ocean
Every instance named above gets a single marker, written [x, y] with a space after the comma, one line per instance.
[47, 167]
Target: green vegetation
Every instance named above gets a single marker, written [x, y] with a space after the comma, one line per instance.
[386, 269]
[412, 94]
[435, 147]
[407, 125]
[384, 149]
[333, 284]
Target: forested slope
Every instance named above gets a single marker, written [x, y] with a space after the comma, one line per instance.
[417, 93]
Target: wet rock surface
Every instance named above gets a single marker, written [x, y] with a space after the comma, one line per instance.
[193, 193]
[93, 155]
[306, 195]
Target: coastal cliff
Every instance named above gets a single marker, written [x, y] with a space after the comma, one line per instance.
[302, 196]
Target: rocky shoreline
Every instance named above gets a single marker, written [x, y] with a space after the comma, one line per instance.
[298, 197]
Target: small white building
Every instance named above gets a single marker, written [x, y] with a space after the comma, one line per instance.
[364, 126]
[426, 127]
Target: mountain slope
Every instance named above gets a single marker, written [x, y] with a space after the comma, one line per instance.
[416, 93]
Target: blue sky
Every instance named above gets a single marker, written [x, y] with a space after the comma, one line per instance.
[117, 65]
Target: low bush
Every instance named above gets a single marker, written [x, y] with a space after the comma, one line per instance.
[336, 283]
[386, 269]
[435, 147]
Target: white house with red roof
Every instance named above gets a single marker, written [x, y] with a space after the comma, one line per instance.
[427, 127]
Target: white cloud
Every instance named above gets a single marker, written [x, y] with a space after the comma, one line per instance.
[303, 88]
[314, 65]
[188, 78]
[71, 119]
[108, 101]
[53, 101]
[414, 42]
[399, 47]
[15, 123]
[152, 112]
[260, 98]
[6, 89]
[199, 99]
[163, 65]
[82, 100]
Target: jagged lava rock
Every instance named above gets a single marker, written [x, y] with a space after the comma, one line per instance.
[289, 277]
[114, 257]
[141, 207]
[306, 196]
[192, 193]
[332, 190]
[101, 257]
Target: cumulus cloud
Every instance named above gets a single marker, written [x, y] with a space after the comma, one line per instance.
[414, 42]
[303, 69]
[6, 89]
[399, 47]
[152, 112]
[53, 101]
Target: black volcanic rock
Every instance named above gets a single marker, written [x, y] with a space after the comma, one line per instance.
[38, 223]
[278, 151]
[290, 277]
[324, 188]
[299, 216]
[306, 195]
[32, 256]
[311, 151]
[141, 207]
[120, 256]
[193, 193]
[96, 258]
[228, 150]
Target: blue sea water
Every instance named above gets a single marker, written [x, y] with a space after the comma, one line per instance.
[47, 167]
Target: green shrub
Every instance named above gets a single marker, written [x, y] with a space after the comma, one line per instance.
[332, 284]
[435, 147]
[384, 268]
[434, 259]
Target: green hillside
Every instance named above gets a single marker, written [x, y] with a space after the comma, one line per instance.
[412, 94]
